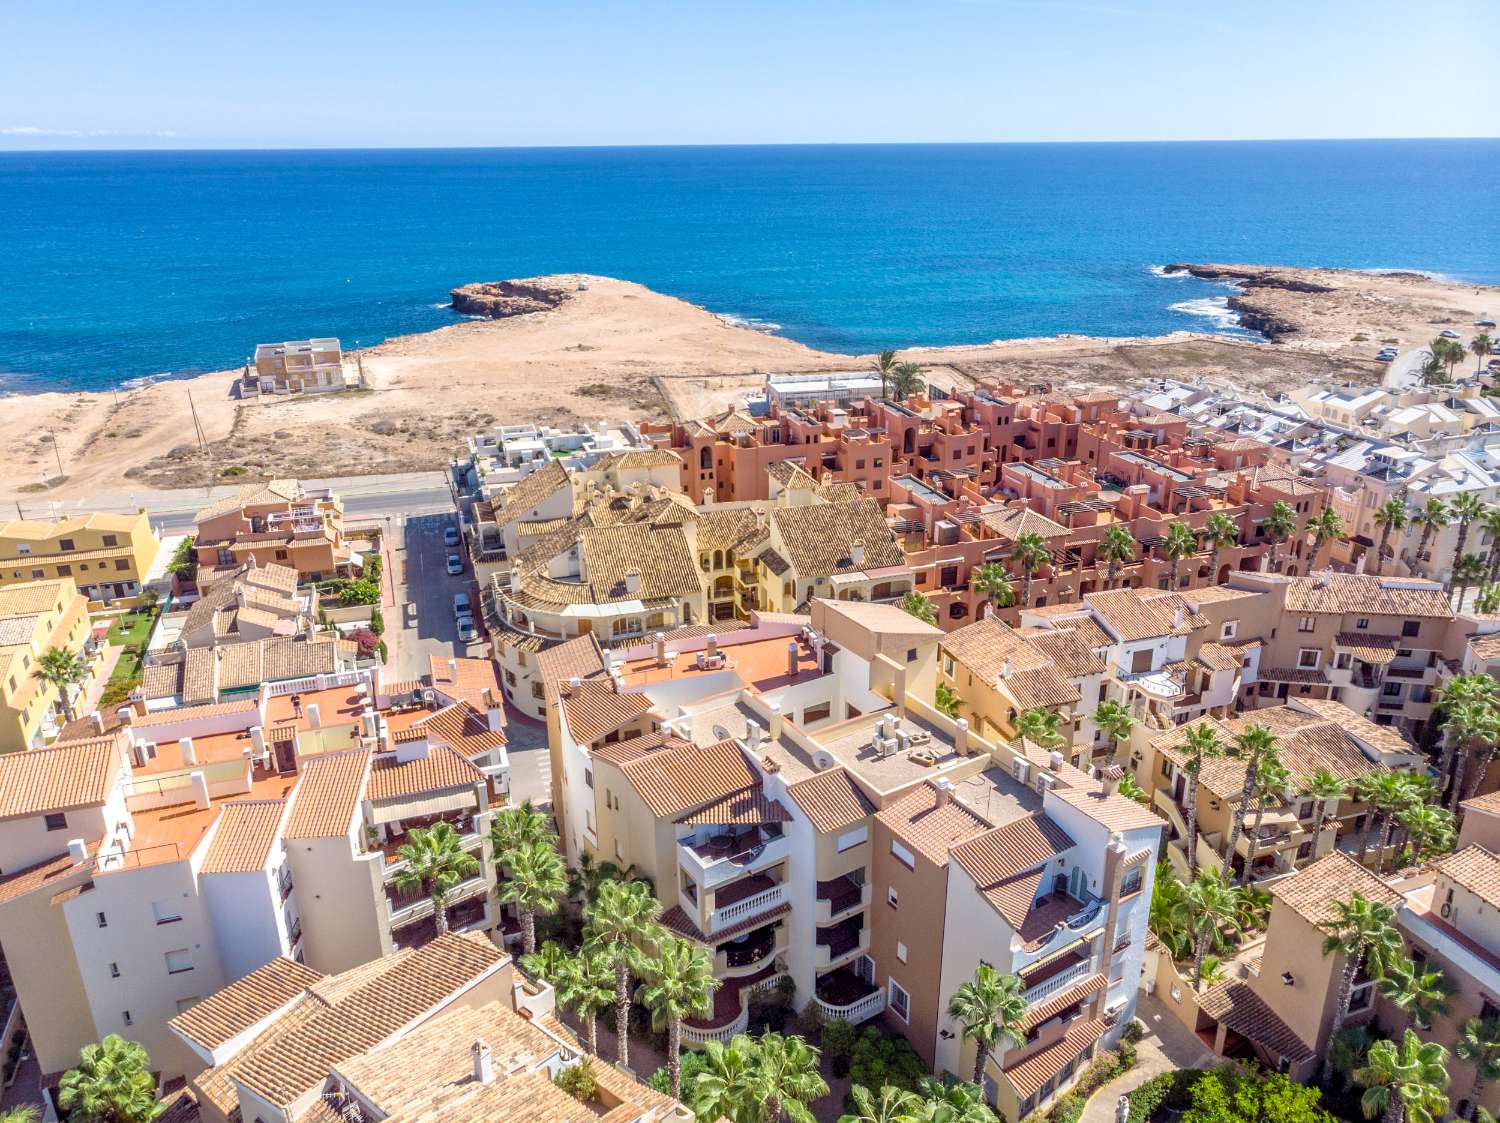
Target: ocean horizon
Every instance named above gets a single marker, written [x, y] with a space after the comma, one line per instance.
[125, 265]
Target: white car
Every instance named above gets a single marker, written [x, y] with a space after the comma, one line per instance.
[1449, 333]
[450, 535]
[455, 563]
[461, 606]
[1385, 354]
[467, 633]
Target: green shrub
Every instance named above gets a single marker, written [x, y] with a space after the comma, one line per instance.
[377, 621]
[1107, 1065]
[1135, 1029]
[1170, 1089]
[878, 1059]
[693, 1062]
[839, 1038]
[358, 590]
[373, 563]
[578, 1081]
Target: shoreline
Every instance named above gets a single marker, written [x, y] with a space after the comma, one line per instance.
[615, 349]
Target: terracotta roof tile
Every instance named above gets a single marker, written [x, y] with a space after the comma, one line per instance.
[466, 681]
[1010, 849]
[743, 808]
[1028, 1074]
[1312, 890]
[633, 748]
[1367, 594]
[329, 791]
[242, 840]
[1217, 657]
[816, 539]
[1064, 998]
[1133, 615]
[462, 726]
[1236, 1005]
[831, 800]
[676, 780]
[226, 1014]
[441, 769]
[1012, 522]
[1368, 648]
[929, 827]
[595, 709]
[1113, 812]
[991, 647]
[80, 774]
[1475, 869]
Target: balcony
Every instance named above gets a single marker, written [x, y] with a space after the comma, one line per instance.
[1158, 684]
[466, 916]
[731, 1012]
[841, 943]
[839, 898]
[743, 900]
[723, 857]
[469, 837]
[751, 952]
[406, 908]
[1047, 983]
[843, 994]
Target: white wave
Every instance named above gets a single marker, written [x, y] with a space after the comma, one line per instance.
[751, 322]
[1161, 271]
[1215, 308]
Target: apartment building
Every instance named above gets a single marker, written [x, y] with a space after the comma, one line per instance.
[36, 617]
[243, 603]
[278, 522]
[154, 863]
[204, 675]
[298, 366]
[445, 1033]
[766, 779]
[108, 557]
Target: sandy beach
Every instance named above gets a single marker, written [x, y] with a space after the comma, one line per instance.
[614, 349]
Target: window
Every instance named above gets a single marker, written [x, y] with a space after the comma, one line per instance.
[1307, 658]
[179, 961]
[1362, 624]
[1228, 629]
[588, 778]
[851, 839]
[122, 563]
[948, 665]
[102, 919]
[911, 654]
[900, 951]
[114, 970]
[36, 574]
[57, 821]
[187, 1003]
[898, 1000]
[282, 555]
[903, 855]
[65, 571]
[1132, 882]
[64, 543]
[126, 1018]
[1343, 660]
[23, 548]
[891, 897]
[817, 713]
[165, 912]
[111, 540]
[1411, 627]
[1305, 624]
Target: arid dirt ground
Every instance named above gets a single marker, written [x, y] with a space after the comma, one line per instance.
[614, 349]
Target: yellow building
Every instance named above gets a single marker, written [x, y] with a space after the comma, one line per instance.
[106, 556]
[34, 617]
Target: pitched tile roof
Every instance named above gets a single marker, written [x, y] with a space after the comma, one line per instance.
[43, 875]
[1046, 687]
[632, 748]
[252, 495]
[1131, 615]
[830, 800]
[595, 708]
[1484, 804]
[1475, 869]
[1012, 522]
[462, 726]
[1019, 845]
[817, 538]
[1367, 594]
[1235, 1004]
[40, 781]
[442, 769]
[661, 556]
[1369, 648]
[1113, 812]
[675, 780]
[1064, 998]
[1312, 890]
[242, 840]
[1028, 1074]
[329, 791]
[1217, 657]
[743, 808]
[929, 825]
[227, 1013]
[467, 680]
[407, 988]
[991, 647]
[30, 598]
[675, 920]
[524, 495]
[576, 658]
[1071, 646]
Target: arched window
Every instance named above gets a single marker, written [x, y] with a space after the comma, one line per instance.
[706, 458]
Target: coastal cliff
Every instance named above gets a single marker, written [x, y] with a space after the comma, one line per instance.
[498, 300]
[1254, 284]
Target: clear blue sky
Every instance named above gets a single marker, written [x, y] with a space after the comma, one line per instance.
[318, 73]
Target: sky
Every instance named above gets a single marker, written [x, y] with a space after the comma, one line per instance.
[439, 73]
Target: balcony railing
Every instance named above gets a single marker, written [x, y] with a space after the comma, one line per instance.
[691, 1035]
[860, 1010]
[711, 866]
[730, 915]
[1061, 981]
[839, 898]
[422, 906]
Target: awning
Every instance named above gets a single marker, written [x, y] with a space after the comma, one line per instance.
[1278, 819]
[462, 799]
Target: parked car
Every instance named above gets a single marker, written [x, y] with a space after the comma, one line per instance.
[450, 535]
[467, 633]
[1449, 333]
[461, 605]
[1385, 354]
[455, 563]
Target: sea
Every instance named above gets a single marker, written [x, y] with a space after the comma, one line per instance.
[120, 266]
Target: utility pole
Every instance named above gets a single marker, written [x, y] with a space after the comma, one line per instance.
[57, 452]
[202, 441]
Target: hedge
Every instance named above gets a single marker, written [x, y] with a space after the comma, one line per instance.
[1170, 1089]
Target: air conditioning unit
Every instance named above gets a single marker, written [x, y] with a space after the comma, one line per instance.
[1045, 783]
[1020, 768]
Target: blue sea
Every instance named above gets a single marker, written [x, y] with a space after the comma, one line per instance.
[121, 265]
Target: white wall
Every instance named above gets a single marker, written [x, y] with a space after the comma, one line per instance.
[246, 918]
[25, 842]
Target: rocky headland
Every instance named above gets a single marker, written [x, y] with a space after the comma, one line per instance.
[497, 300]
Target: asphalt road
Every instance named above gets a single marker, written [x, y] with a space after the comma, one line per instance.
[1405, 370]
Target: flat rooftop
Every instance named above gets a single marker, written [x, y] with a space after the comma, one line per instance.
[996, 796]
[850, 743]
[762, 665]
[169, 834]
[339, 705]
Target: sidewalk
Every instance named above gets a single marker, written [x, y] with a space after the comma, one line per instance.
[1167, 1046]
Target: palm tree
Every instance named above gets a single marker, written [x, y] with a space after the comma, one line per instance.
[1178, 545]
[1449, 352]
[21, 1113]
[1478, 1046]
[723, 1088]
[1479, 347]
[1488, 599]
[61, 668]
[1167, 919]
[1386, 793]
[906, 380]
[1419, 992]
[894, 1105]
[1360, 930]
[990, 1007]
[950, 1101]
[1466, 571]
[1433, 373]
[1272, 782]
[436, 861]
[991, 584]
[919, 606]
[1327, 527]
[586, 983]
[1117, 548]
[1463, 691]
[1408, 793]
[786, 1078]
[1131, 789]
[537, 884]
[1202, 744]
[1466, 507]
[1219, 533]
[1490, 521]
[1324, 786]
[947, 700]
[1404, 1083]
[112, 1084]
[884, 364]
[1432, 517]
[1348, 1051]
[1030, 553]
[1429, 830]
[547, 962]
[1114, 719]
[517, 827]
[1252, 746]
[1040, 726]
[1278, 527]
[1476, 725]
[1212, 908]
[1389, 516]
[623, 917]
[676, 982]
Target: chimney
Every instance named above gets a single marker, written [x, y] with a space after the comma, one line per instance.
[792, 649]
[1005, 669]
[484, 1062]
[776, 722]
[713, 644]
[660, 643]
[370, 723]
[1180, 618]
[573, 685]
[752, 735]
[258, 739]
[633, 581]
[944, 793]
[1112, 777]
[188, 755]
[1055, 760]
[314, 717]
[452, 670]
[961, 736]
[494, 714]
[78, 851]
[200, 790]
[857, 553]
[1359, 565]
[125, 714]
[98, 722]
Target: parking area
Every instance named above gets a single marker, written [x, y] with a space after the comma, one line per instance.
[424, 596]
